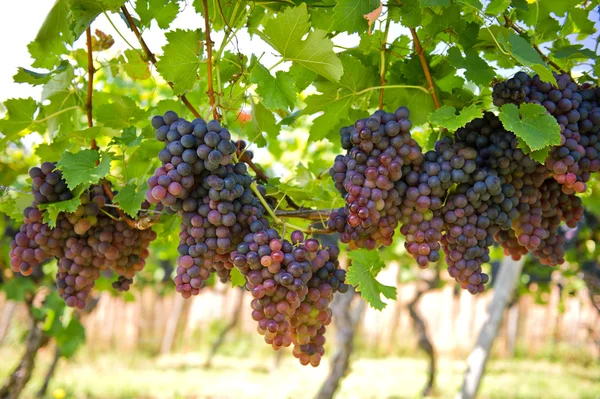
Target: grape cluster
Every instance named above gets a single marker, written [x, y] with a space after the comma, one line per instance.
[198, 181]
[577, 113]
[378, 149]
[84, 242]
[292, 284]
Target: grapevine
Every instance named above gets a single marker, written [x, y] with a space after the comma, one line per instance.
[509, 168]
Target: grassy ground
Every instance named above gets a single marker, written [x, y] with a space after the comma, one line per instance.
[114, 375]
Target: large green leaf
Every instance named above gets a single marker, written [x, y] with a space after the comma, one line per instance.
[276, 91]
[182, 56]
[19, 116]
[130, 198]
[162, 11]
[348, 15]
[81, 168]
[476, 69]
[285, 33]
[120, 113]
[532, 124]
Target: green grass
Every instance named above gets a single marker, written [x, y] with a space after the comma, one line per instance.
[115, 375]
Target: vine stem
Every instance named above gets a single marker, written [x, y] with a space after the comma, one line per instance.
[243, 157]
[382, 60]
[91, 70]
[521, 33]
[277, 220]
[152, 57]
[90, 121]
[309, 214]
[209, 43]
[421, 53]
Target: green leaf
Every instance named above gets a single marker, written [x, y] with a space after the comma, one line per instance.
[80, 168]
[540, 155]
[83, 12]
[37, 78]
[476, 69]
[285, 34]
[121, 113]
[337, 99]
[181, 58]
[130, 198]
[361, 274]
[497, 7]
[163, 11]
[435, 3]
[13, 204]
[89, 133]
[129, 138]
[134, 65]
[303, 77]
[276, 92]
[71, 338]
[574, 51]
[411, 13]
[237, 279]
[53, 209]
[532, 124]
[446, 116]
[19, 116]
[17, 288]
[262, 121]
[525, 54]
[348, 15]
[48, 44]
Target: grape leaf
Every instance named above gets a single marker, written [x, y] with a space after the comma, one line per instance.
[19, 116]
[434, 3]
[134, 66]
[122, 112]
[285, 34]
[129, 138]
[446, 116]
[276, 92]
[37, 78]
[12, 204]
[52, 210]
[83, 12]
[361, 274]
[526, 55]
[181, 58]
[237, 279]
[476, 69]
[303, 77]
[497, 7]
[540, 155]
[336, 99]
[262, 121]
[130, 198]
[48, 44]
[411, 13]
[348, 15]
[163, 11]
[532, 124]
[80, 168]
[575, 51]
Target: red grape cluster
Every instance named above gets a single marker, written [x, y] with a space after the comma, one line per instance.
[577, 113]
[292, 284]
[378, 148]
[199, 182]
[84, 242]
